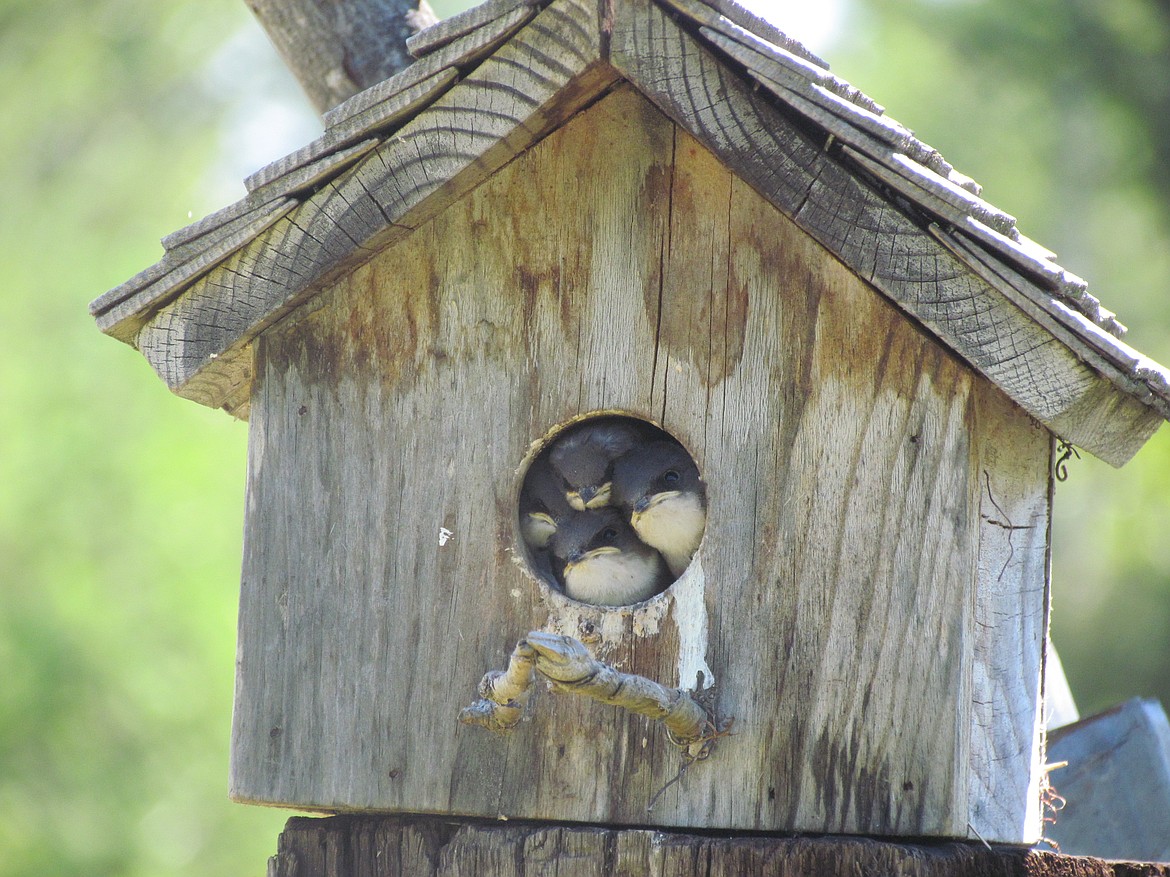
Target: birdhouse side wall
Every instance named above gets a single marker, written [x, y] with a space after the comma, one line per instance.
[869, 599]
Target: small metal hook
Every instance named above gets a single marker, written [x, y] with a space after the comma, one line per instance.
[1066, 452]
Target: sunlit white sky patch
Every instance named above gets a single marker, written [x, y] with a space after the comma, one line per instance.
[816, 23]
[267, 115]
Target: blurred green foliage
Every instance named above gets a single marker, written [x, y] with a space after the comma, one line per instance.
[121, 506]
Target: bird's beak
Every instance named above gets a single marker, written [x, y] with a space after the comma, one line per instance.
[577, 558]
[648, 503]
[600, 497]
[589, 497]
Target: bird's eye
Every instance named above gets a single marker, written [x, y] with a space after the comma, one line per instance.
[609, 534]
[671, 476]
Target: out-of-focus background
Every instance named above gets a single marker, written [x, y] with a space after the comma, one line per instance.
[121, 506]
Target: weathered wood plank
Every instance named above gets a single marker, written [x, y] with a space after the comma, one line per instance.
[886, 246]
[861, 611]
[1095, 340]
[473, 308]
[1120, 424]
[1031, 259]
[120, 312]
[615, 265]
[697, 248]
[900, 160]
[542, 76]
[823, 95]
[179, 248]
[290, 176]
[387, 846]
[383, 116]
[779, 72]
[1011, 457]
[449, 29]
[464, 50]
[1116, 785]
[710, 13]
[695, 252]
[933, 192]
[935, 185]
[1085, 420]
[739, 41]
[188, 236]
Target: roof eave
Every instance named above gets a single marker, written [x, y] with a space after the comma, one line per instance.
[273, 250]
[885, 204]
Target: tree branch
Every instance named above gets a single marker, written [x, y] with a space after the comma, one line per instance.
[336, 48]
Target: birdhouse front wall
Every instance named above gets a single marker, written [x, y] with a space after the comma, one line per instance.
[869, 599]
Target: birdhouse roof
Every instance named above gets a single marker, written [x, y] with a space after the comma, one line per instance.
[490, 82]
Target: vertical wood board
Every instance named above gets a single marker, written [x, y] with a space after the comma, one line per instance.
[618, 265]
[1010, 622]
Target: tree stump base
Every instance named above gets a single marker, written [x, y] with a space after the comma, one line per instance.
[421, 846]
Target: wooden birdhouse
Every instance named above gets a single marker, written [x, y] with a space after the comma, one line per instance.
[668, 214]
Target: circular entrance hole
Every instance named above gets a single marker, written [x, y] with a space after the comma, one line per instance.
[611, 510]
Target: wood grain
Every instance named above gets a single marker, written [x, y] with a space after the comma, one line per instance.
[459, 52]
[730, 15]
[192, 238]
[292, 175]
[931, 191]
[886, 246]
[1006, 318]
[1115, 359]
[199, 343]
[125, 309]
[374, 110]
[617, 264]
[450, 29]
[385, 115]
[427, 356]
[443, 847]
[1010, 620]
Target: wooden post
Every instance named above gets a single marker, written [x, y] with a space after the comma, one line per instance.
[380, 846]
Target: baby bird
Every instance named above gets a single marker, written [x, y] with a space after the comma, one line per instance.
[583, 458]
[542, 504]
[604, 561]
[659, 487]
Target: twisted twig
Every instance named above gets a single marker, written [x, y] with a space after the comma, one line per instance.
[568, 664]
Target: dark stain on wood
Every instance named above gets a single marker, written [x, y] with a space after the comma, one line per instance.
[370, 325]
[813, 408]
